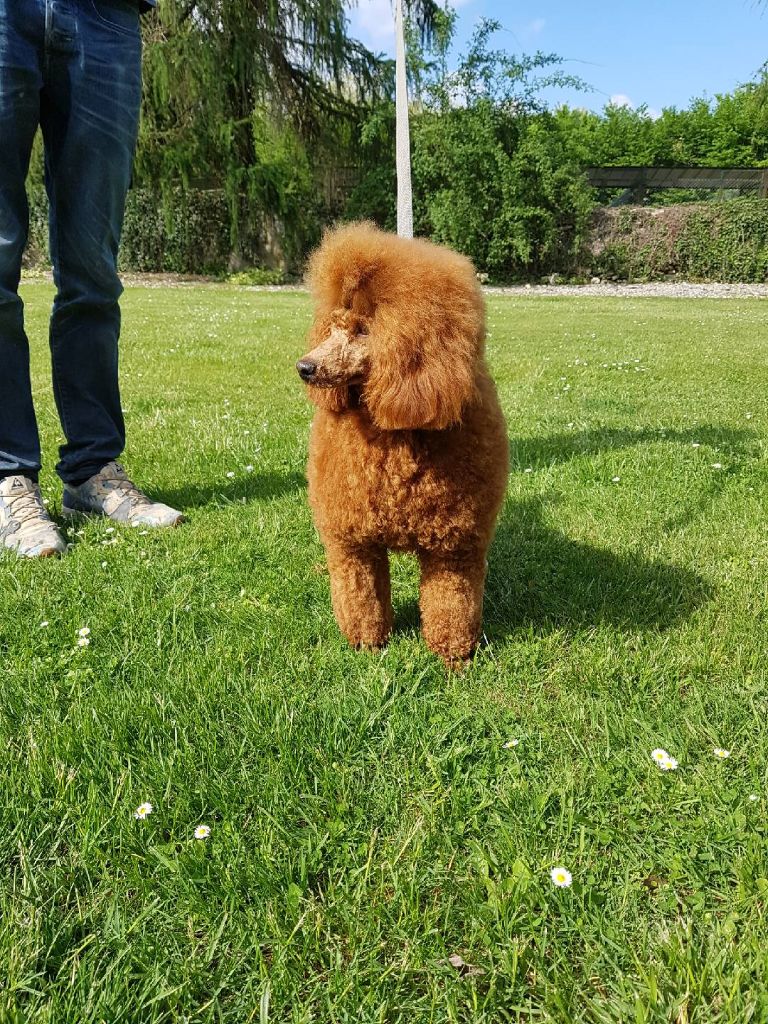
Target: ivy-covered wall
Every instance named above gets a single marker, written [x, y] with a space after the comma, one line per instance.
[715, 241]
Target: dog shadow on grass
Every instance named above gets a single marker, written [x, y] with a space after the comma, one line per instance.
[255, 486]
[539, 577]
[555, 449]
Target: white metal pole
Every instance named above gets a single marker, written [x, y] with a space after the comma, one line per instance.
[403, 135]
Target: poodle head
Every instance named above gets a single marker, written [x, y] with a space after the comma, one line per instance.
[398, 329]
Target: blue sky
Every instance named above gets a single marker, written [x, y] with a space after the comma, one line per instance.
[655, 53]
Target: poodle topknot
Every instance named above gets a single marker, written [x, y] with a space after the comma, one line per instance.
[408, 450]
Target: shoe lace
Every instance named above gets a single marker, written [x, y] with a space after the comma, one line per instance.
[127, 487]
[27, 506]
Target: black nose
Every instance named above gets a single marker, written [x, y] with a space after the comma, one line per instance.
[306, 368]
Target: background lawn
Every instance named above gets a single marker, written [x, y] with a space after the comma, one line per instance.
[366, 820]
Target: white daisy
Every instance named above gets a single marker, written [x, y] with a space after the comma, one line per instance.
[721, 753]
[230, 475]
[83, 641]
[85, 631]
[510, 743]
[143, 811]
[753, 797]
[202, 832]
[669, 764]
[659, 755]
[561, 877]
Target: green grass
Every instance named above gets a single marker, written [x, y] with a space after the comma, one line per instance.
[366, 821]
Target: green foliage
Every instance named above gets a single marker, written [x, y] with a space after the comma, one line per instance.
[257, 276]
[722, 241]
[730, 130]
[490, 177]
[186, 231]
[189, 232]
[263, 123]
[254, 98]
[36, 255]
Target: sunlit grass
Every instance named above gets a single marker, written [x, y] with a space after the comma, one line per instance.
[369, 815]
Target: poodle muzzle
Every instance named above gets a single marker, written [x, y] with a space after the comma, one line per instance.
[338, 360]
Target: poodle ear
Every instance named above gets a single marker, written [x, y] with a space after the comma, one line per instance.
[424, 365]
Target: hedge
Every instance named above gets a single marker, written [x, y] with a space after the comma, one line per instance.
[191, 232]
[181, 231]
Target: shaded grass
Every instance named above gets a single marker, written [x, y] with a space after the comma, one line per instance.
[366, 822]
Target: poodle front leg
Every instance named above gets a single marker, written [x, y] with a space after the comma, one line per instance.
[452, 603]
[360, 593]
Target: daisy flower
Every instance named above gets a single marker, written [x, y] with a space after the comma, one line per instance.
[669, 764]
[510, 743]
[85, 631]
[721, 753]
[83, 641]
[561, 877]
[143, 811]
[659, 755]
[753, 797]
[230, 475]
[202, 832]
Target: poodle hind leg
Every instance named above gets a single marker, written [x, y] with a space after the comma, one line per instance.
[360, 593]
[452, 603]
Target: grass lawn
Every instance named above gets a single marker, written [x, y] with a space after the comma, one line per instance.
[367, 822]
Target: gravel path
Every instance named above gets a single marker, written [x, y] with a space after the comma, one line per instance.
[658, 289]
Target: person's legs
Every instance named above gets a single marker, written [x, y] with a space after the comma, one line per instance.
[22, 30]
[89, 115]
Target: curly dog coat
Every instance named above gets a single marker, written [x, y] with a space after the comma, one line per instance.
[408, 450]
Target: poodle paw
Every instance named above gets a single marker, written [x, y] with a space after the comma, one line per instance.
[373, 647]
[455, 656]
[366, 640]
[454, 664]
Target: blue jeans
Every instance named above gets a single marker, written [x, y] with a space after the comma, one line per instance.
[72, 67]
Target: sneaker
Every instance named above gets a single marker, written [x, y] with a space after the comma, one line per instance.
[25, 526]
[110, 493]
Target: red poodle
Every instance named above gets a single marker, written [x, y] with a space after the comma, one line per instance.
[408, 450]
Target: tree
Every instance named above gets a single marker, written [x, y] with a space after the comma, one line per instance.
[210, 65]
[491, 176]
